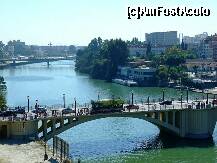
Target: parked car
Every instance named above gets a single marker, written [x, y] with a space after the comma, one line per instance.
[131, 107]
[214, 102]
[40, 110]
[20, 111]
[8, 113]
[167, 102]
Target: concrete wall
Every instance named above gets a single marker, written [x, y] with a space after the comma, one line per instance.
[198, 123]
[21, 129]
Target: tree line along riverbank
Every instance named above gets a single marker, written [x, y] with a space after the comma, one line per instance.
[101, 58]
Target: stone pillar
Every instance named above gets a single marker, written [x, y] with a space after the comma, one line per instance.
[166, 113]
[61, 122]
[53, 127]
[174, 118]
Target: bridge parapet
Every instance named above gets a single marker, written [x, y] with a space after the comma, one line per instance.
[185, 123]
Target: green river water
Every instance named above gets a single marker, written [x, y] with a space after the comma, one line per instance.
[109, 139]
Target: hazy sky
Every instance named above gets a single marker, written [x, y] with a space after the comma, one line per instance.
[78, 21]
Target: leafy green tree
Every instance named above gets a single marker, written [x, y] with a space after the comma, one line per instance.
[102, 58]
[158, 60]
[162, 73]
[82, 61]
[2, 101]
[72, 49]
[1, 49]
[98, 69]
[85, 59]
[174, 73]
[116, 53]
[175, 57]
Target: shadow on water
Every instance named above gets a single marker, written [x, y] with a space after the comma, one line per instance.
[166, 141]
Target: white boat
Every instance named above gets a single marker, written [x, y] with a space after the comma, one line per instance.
[118, 81]
[131, 83]
[128, 83]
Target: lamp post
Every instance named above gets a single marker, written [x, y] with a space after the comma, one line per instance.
[45, 151]
[36, 106]
[132, 97]
[64, 101]
[148, 102]
[75, 106]
[181, 100]
[207, 97]
[163, 91]
[187, 95]
[98, 96]
[28, 103]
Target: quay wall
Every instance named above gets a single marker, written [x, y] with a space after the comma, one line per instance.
[18, 129]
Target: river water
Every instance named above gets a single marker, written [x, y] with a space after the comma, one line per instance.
[109, 139]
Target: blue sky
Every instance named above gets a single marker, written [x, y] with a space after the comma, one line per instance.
[78, 21]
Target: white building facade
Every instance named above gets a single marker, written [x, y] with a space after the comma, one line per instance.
[137, 74]
[162, 38]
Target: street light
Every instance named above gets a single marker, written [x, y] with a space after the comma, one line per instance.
[132, 96]
[45, 151]
[28, 103]
[98, 96]
[148, 102]
[181, 100]
[75, 107]
[187, 95]
[163, 91]
[64, 101]
[36, 106]
[207, 97]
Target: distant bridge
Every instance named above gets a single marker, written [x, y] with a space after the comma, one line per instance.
[23, 61]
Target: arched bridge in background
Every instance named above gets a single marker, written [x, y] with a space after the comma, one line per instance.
[23, 61]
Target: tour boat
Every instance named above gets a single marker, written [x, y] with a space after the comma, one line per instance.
[128, 83]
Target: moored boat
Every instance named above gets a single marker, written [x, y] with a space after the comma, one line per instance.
[128, 83]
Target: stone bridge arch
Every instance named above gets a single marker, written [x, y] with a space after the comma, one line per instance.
[168, 120]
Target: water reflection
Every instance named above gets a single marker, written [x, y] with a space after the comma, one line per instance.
[27, 78]
[47, 84]
[131, 139]
[108, 136]
[128, 140]
[165, 140]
